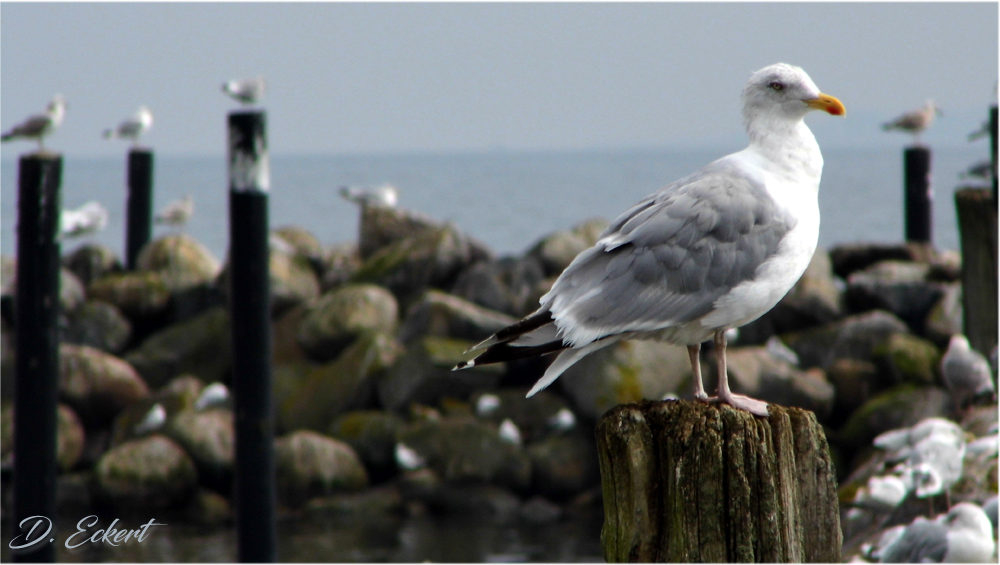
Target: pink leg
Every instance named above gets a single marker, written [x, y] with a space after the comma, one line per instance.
[699, 387]
[726, 396]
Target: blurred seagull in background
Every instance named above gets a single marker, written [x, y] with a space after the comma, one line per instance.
[966, 373]
[87, 219]
[712, 251]
[247, 91]
[385, 196]
[963, 535]
[177, 213]
[915, 122]
[39, 125]
[152, 421]
[215, 394]
[132, 128]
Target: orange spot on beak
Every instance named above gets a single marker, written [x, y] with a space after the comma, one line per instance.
[828, 104]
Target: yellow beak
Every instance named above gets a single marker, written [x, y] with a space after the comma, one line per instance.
[828, 104]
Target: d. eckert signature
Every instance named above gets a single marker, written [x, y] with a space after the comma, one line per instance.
[111, 535]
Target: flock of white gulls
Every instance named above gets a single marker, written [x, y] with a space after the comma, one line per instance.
[92, 217]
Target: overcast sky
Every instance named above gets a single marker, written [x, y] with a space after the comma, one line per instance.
[349, 78]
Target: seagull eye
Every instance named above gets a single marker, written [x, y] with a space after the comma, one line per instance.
[776, 85]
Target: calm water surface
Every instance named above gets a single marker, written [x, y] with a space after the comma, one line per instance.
[507, 200]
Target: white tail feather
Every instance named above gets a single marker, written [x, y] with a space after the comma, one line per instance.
[565, 360]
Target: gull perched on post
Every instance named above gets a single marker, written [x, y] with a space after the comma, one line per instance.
[915, 122]
[39, 125]
[87, 219]
[177, 213]
[246, 91]
[133, 127]
[712, 251]
[384, 196]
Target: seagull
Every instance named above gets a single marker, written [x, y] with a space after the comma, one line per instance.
[562, 421]
[963, 535]
[929, 455]
[915, 122]
[132, 128]
[408, 459]
[487, 405]
[982, 170]
[778, 350]
[177, 213]
[509, 432]
[39, 125]
[712, 251]
[215, 394]
[384, 196]
[247, 91]
[966, 372]
[87, 219]
[152, 421]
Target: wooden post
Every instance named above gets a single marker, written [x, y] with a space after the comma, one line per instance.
[250, 307]
[993, 150]
[919, 198]
[685, 481]
[977, 229]
[36, 386]
[139, 205]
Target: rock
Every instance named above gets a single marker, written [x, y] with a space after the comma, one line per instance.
[208, 437]
[814, 300]
[335, 320]
[897, 287]
[855, 382]
[199, 346]
[143, 297]
[475, 500]
[92, 261]
[96, 384]
[372, 435]
[372, 503]
[850, 257]
[340, 262]
[209, 509]
[627, 371]
[382, 226]
[98, 324]
[899, 407]
[538, 510]
[464, 449]
[556, 251]
[71, 292]
[538, 417]
[181, 260]
[564, 466]
[70, 435]
[284, 332]
[908, 359]
[505, 285]
[439, 314]
[322, 392]
[293, 281]
[945, 318]
[302, 242]
[753, 371]
[431, 259]
[181, 392]
[153, 472]
[853, 337]
[310, 465]
[424, 374]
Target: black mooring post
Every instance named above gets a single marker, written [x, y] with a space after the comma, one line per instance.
[993, 149]
[36, 385]
[139, 213]
[919, 199]
[249, 181]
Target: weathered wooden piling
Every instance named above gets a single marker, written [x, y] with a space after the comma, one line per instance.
[977, 229]
[919, 199]
[139, 204]
[685, 482]
[36, 385]
[250, 307]
[993, 149]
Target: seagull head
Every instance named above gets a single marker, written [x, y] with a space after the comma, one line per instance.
[57, 108]
[144, 116]
[785, 92]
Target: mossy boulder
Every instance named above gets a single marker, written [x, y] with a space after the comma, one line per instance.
[564, 466]
[381, 226]
[148, 473]
[92, 261]
[340, 262]
[557, 250]
[341, 315]
[97, 324]
[372, 435]
[317, 393]
[70, 435]
[909, 359]
[139, 295]
[852, 337]
[504, 285]
[97, 385]
[899, 407]
[440, 314]
[627, 371]
[310, 465]
[424, 374]
[302, 243]
[209, 438]
[199, 346]
[181, 260]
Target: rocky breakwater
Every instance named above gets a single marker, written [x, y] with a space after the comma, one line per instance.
[370, 419]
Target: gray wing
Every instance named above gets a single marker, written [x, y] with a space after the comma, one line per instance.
[31, 127]
[666, 260]
[923, 541]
